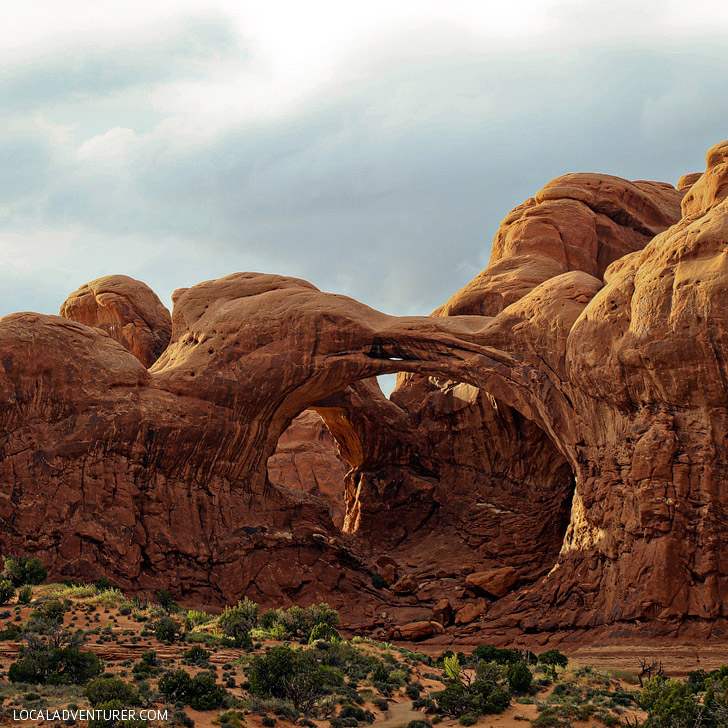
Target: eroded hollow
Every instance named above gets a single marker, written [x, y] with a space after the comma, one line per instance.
[441, 476]
[307, 458]
[484, 487]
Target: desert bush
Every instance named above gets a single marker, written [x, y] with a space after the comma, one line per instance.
[77, 591]
[289, 674]
[39, 664]
[205, 693]
[519, 677]
[51, 653]
[108, 689]
[202, 638]
[299, 622]
[112, 597]
[180, 718]
[175, 686]
[381, 703]
[268, 618]
[7, 591]
[462, 697]
[165, 600]
[148, 666]
[323, 631]
[236, 622]
[105, 718]
[25, 594]
[488, 653]
[194, 618]
[200, 692]
[196, 655]
[553, 658]
[166, 629]
[22, 570]
[478, 697]
[11, 632]
[670, 703]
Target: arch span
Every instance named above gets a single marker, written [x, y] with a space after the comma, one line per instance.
[273, 347]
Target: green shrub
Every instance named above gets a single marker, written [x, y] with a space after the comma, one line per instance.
[323, 631]
[11, 632]
[106, 720]
[108, 689]
[488, 653]
[478, 697]
[25, 595]
[269, 721]
[288, 674]
[268, 618]
[7, 591]
[378, 582]
[519, 677]
[22, 570]
[381, 703]
[300, 622]
[194, 618]
[175, 686]
[54, 666]
[196, 655]
[205, 693]
[236, 622]
[200, 692]
[180, 718]
[166, 629]
[165, 600]
[148, 666]
[670, 703]
[554, 658]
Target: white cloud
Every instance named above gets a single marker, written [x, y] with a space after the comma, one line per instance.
[372, 147]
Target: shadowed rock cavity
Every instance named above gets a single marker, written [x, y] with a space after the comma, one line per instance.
[583, 372]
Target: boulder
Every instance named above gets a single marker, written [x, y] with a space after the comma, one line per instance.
[496, 582]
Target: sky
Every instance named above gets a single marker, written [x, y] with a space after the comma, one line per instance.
[370, 148]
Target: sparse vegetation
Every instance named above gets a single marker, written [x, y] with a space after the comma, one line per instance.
[292, 666]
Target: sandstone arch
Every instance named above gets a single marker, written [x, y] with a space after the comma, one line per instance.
[612, 342]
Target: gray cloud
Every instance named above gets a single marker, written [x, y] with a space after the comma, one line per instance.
[388, 185]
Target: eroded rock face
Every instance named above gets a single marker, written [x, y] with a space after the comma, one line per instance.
[448, 476]
[308, 459]
[127, 310]
[581, 377]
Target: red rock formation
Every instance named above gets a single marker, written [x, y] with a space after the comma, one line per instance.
[307, 459]
[453, 480]
[127, 310]
[594, 343]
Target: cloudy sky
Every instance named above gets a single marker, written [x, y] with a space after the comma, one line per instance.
[371, 148]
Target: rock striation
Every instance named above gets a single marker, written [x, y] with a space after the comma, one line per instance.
[553, 457]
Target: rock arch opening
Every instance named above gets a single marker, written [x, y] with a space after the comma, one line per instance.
[441, 479]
